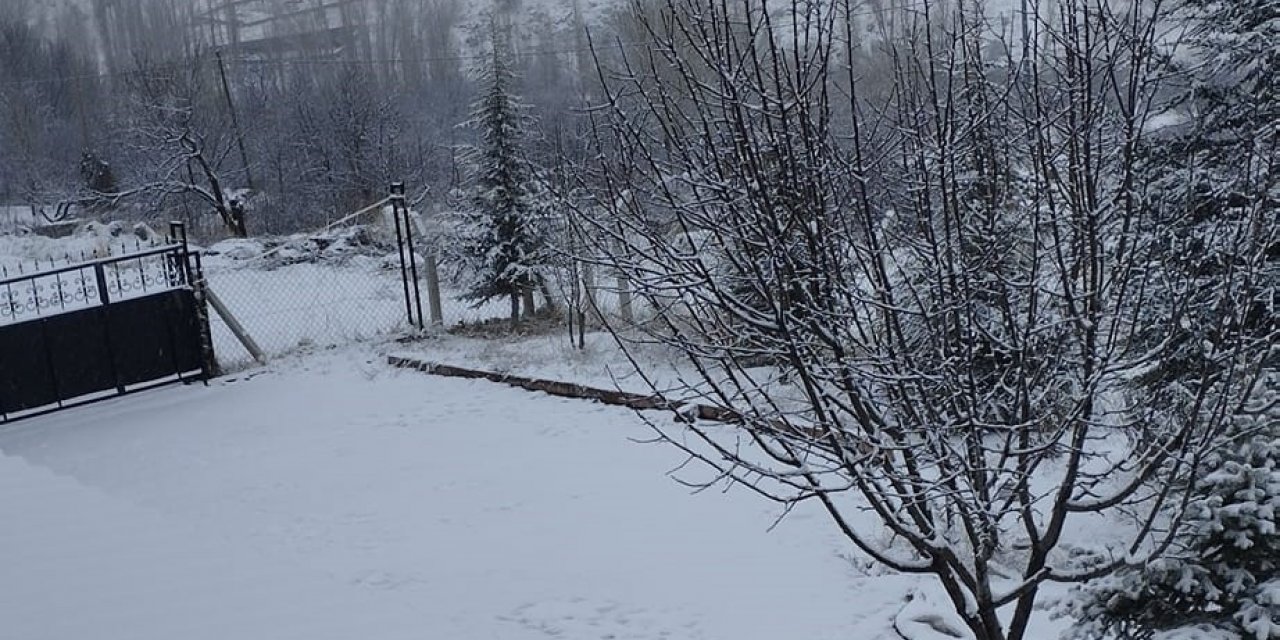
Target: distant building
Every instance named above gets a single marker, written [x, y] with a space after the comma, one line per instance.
[285, 28]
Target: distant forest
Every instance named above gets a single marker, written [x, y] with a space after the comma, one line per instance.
[306, 113]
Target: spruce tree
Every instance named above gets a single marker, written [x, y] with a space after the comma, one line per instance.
[1214, 175]
[1225, 574]
[501, 244]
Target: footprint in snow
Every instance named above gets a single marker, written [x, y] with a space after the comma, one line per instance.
[586, 619]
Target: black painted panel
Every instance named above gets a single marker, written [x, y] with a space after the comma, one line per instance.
[26, 380]
[79, 353]
[140, 338]
[75, 354]
[185, 322]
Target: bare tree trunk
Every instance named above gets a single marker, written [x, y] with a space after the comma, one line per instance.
[530, 305]
[590, 295]
[548, 300]
[624, 300]
[955, 288]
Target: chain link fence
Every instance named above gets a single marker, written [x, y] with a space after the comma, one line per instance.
[340, 283]
[349, 281]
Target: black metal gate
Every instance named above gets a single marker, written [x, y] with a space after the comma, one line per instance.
[100, 328]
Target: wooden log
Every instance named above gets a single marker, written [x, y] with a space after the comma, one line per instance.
[685, 411]
[553, 387]
[236, 328]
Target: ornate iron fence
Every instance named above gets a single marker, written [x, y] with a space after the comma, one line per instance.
[100, 327]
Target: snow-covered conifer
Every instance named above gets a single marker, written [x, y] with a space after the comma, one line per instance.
[500, 243]
[1225, 571]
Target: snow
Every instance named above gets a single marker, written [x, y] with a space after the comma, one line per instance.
[332, 494]
[332, 477]
[27, 251]
[13, 218]
[83, 564]
[927, 616]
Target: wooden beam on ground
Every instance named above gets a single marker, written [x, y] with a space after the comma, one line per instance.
[572, 390]
[234, 325]
[685, 411]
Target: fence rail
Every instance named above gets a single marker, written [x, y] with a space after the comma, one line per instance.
[93, 282]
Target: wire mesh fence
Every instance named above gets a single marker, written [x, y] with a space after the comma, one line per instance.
[345, 282]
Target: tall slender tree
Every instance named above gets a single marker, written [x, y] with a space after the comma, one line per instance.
[501, 244]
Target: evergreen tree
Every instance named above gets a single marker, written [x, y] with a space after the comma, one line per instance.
[96, 174]
[501, 244]
[1216, 180]
[1226, 573]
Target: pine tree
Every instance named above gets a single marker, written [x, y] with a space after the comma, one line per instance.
[1218, 177]
[1226, 575]
[501, 244]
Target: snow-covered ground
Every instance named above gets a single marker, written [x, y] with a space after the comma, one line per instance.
[333, 493]
[331, 496]
[420, 506]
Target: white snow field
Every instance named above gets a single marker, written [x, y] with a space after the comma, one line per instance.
[331, 496]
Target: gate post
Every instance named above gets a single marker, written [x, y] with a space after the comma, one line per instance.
[404, 267]
[431, 273]
[433, 287]
[192, 271]
[401, 209]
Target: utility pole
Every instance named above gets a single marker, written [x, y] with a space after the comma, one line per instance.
[235, 121]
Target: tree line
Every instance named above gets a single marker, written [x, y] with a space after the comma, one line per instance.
[140, 114]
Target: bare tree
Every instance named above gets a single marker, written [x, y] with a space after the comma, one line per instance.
[182, 143]
[930, 303]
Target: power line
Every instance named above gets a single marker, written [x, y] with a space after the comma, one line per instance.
[151, 72]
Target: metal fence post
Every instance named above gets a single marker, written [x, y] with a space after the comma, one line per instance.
[401, 209]
[400, 242]
[192, 271]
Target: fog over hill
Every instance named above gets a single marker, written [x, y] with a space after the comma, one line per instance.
[110, 29]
